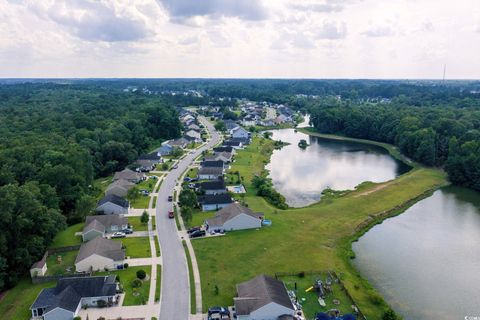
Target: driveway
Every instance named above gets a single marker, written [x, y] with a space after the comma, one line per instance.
[175, 293]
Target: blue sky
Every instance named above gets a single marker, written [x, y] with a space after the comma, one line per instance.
[236, 38]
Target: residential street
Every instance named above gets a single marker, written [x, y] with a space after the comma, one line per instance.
[175, 291]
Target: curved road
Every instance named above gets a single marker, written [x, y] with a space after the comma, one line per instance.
[175, 293]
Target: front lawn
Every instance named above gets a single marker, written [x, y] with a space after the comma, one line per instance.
[198, 217]
[136, 247]
[137, 225]
[59, 266]
[133, 296]
[147, 184]
[192, 173]
[141, 202]
[159, 283]
[15, 303]
[67, 237]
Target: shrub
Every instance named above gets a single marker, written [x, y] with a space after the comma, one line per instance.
[145, 217]
[389, 315]
[301, 274]
[141, 274]
[125, 266]
[77, 318]
[376, 299]
[101, 303]
[136, 283]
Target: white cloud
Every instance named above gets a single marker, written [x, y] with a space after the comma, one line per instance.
[332, 30]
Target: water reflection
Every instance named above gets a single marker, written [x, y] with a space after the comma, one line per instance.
[301, 174]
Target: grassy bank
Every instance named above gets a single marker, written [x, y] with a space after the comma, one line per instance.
[317, 237]
[193, 301]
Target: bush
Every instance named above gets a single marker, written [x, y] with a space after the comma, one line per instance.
[145, 217]
[389, 315]
[141, 274]
[77, 318]
[301, 274]
[376, 299]
[125, 266]
[101, 303]
[136, 283]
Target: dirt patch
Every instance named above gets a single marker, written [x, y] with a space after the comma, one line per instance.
[372, 190]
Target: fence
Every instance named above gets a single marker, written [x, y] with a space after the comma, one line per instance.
[52, 251]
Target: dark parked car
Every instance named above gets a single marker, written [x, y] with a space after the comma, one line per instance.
[193, 229]
[127, 231]
[170, 198]
[221, 310]
[187, 179]
[171, 215]
[197, 234]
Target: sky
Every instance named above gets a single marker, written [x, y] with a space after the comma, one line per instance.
[378, 39]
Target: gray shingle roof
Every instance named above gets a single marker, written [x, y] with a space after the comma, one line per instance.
[127, 174]
[103, 247]
[121, 183]
[69, 291]
[259, 291]
[212, 164]
[222, 198]
[211, 171]
[113, 199]
[230, 212]
[102, 222]
[212, 185]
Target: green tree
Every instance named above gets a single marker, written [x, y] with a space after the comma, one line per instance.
[187, 198]
[220, 126]
[133, 194]
[144, 217]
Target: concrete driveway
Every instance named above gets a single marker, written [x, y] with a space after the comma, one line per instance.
[175, 292]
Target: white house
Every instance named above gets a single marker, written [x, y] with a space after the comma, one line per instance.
[99, 254]
[211, 202]
[101, 225]
[234, 217]
[112, 204]
[210, 173]
[263, 298]
[239, 132]
[194, 135]
[64, 301]
[129, 175]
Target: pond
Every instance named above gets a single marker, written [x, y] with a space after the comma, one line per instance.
[302, 174]
[426, 261]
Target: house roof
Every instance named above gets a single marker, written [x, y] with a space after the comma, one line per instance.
[212, 164]
[122, 183]
[223, 149]
[103, 247]
[178, 142]
[239, 129]
[211, 171]
[232, 143]
[145, 162]
[69, 291]
[260, 291]
[231, 211]
[215, 199]
[212, 185]
[127, 174]
[114, 199]
[101, 222]
[230, 124]
[149, 156]
[39, 264]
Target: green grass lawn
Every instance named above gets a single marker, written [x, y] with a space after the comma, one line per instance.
[137, 224]
[15, 303]
[148, 185]
[126, 278]
[193, 302]
[157, 247]
[59, 267]
[158, 288]
[192, 173]
[100, 185]
[141, 203]
[317, 237]
[67, 237]
[136, 247]
[198, 217]
[154, 202]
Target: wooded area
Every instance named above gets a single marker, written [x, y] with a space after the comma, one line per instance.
[54, 140]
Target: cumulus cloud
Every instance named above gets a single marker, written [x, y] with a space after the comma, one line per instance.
[323, 6]
[379, 31]
[94, 20]
[332, 30]
[181, 11]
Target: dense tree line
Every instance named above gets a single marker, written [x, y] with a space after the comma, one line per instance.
[54, 140]
[435, 135]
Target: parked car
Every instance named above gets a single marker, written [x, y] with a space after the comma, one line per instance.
[221, 310]
[171, 215]
[118, 235]
[187, 179]
[193, 229]
[175, 167]
[197, 234]
[170, 198]
[144, 192]
[193, 179]
[127, 231]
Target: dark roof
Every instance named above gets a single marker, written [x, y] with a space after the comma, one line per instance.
[215, 199]
[242, 140]
[231, 143]
[102, 247]
[260, 291]
[127, 174]
[212, 164]
[69, 291]
[230, 124]
[230, 212]
[212, 185]
[211, 171]
[114, 199]
[223, 149]
[149, 156]
[100, 222]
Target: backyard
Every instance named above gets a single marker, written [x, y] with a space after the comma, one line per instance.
[67, 237]
[61, 263]
[136, 247]
[317, 237]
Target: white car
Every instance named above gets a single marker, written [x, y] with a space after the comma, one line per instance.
[118, 235]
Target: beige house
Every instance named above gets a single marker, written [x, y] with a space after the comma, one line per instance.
[99, 254]
[39, 268]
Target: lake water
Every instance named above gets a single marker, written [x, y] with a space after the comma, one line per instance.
[426, 261]
[302, 174]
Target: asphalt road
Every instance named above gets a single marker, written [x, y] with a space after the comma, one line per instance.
[175, 281]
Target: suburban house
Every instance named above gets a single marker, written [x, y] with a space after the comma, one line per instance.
[99, 254]
[239, 132]
[99, 226]
[226, 157]
[64, 301]
[39, 268]
[119, 188]
[233, 144]
[112, 204]
[224, 149]
[194, 134]
[210, 173]
[129, 175]
[165, 149]
[264, 298]
[250, 120]
[179, 143]
[234, 217]
[155, 157]
[193, 126]
[213, 187]
[230, 125]
[211, 202]
[145, 165]
[212, 164]
[187, 117]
